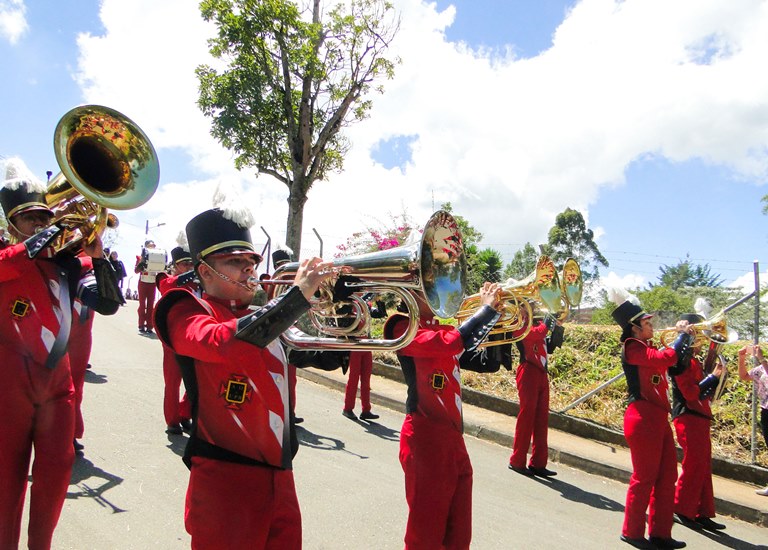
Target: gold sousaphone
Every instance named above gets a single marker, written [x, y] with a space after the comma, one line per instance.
[434, 266]
[106, 161]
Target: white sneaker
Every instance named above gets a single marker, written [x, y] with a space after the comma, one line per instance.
[763, 492]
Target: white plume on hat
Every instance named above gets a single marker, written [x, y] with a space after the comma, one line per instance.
[181, 240]
[228, 200]
[620, 295]
[284, 248]
[17, 175]
[702, 307]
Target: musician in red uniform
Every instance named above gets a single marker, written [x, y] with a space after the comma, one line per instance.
[37, 395]
[80, 344]
[533, 389]
[146, 289]
[241, 492]
[647, 430]
[177, 412]
[438, 472]
[692, 393]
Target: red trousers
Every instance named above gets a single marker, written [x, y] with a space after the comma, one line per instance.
[654, 471]
[79, 355]
[36, 411]
[146, 304]
[237, 506]
[360, 368]
[174, 409]
[533, 418]
[438, 485]
[694, 495]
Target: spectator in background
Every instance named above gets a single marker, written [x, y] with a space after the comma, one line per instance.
[759, 376]
[119, 268]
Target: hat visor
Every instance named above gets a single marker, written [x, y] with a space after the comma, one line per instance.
[34, 207]
[235, 251]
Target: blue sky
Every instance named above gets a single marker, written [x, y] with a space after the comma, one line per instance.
[649, 117]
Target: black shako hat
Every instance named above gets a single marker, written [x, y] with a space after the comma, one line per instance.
[692, 318]
[20, 191]
[628, 314]
[178, 254]
[280, 257]
[212, 233]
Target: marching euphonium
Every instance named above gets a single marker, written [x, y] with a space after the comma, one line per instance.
[106, 161]
[435, 266]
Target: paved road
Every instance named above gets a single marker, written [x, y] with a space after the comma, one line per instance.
[127, 490]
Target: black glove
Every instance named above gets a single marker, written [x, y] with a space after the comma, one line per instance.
[555, 338]
[683, 346]
[323, 360]
[37, 242]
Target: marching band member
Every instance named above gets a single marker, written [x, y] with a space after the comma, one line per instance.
[646, 426]
[177, 413]
[438, 472]
[146, 288]
[532, 379]
[37, 288]
[241, 491]
[692, 392]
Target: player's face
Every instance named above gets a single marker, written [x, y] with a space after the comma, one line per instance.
[238, 268]
[26, 224]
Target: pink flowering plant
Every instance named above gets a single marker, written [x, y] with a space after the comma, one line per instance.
[389, 235]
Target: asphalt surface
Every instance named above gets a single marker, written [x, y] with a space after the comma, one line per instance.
[127, 489]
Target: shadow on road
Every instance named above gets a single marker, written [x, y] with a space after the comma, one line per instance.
[575, 494]
[84, 471]
[322, 442]
[94, 378]
[730, 542]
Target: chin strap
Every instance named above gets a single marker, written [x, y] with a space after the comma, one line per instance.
[227, 279]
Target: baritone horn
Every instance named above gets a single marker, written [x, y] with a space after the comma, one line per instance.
[434, 266]
[542, 286]
[106, 161]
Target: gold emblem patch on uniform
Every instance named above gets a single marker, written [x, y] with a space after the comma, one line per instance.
[437, 380]
[656, 379]
[235, 391]
[20, 307]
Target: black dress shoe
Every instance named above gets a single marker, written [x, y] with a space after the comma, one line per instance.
[174, 430]
[638, 543]
[186, 425]
[659, 542]
[522, 471]
[709, 524]
[297, 420]
[542, 472]
[77, 445]
[690, 523]
[368, 415]
[349, 414]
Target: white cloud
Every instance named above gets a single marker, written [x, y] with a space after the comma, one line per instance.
[509, 142]
[13, 21]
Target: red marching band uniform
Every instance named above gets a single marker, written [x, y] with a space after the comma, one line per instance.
[647, 431]
[177, 412]
[37, 396]
[241, 492]
[438, 472]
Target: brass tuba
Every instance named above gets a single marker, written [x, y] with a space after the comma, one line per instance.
[435, 266]
[106, 161]
[542, 286]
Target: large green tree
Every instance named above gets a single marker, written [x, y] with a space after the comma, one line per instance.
[570, 238]
[688, 274]
[292, 78]
[523, 263]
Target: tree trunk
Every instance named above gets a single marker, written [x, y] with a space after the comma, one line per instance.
[296, 200]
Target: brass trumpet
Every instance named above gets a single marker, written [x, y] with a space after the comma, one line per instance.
[711, 330]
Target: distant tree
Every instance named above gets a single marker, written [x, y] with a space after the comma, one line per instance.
[686, 274]
[570, 238]
[293, 78]
[476, 266]
[488, 266]
[523, 263]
